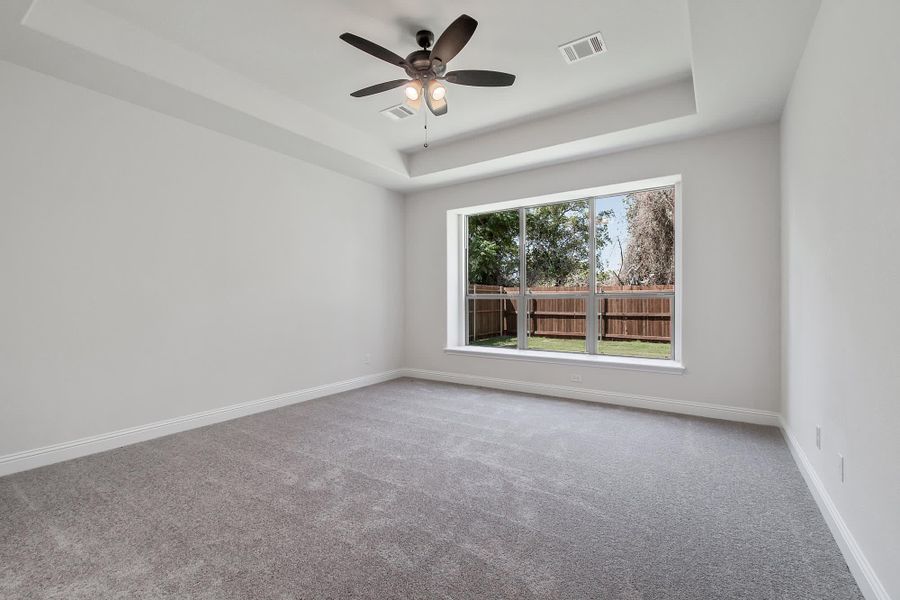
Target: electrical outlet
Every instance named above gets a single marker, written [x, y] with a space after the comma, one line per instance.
[819, 437]
[841, 456]
[575, 378]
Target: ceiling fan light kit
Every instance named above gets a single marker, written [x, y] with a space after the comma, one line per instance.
[436, 90]
[413, 90]
[427, 69]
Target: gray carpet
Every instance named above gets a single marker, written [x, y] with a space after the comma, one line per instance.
[413, 489]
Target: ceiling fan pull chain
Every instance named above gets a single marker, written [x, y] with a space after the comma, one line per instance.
[425, 112]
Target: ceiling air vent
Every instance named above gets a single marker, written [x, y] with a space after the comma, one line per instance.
[583, 48]
[401, 111]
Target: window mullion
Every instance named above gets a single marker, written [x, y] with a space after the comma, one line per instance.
[590, 306]
[522, 316]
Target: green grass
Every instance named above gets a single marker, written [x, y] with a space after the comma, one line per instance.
[634, 349]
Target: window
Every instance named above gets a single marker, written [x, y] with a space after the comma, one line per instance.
[593, 276]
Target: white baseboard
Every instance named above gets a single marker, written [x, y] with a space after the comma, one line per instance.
[868, 581]
[699, 409]
[39, 457]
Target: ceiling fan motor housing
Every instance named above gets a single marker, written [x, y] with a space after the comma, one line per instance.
[420, 61]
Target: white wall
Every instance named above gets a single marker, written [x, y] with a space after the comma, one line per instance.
[730, 257]
[841, 255]
[152, 269]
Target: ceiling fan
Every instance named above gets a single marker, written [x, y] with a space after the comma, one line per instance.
[426, 69]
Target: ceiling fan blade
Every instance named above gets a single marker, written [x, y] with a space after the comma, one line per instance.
[480, 78]
[437, 107]
[374, 49]
[379, 87]
[454, 38]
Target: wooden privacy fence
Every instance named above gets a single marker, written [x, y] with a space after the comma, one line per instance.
[639, 318]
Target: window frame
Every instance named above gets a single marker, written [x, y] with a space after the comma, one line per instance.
[458, 291]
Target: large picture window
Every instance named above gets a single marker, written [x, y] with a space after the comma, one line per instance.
[589, 276]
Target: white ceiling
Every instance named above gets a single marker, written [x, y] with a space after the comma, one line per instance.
[293, 48]
[274, 73]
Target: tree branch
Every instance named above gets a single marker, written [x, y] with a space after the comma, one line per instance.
[618, 273]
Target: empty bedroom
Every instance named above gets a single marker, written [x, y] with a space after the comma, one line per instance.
[498, 300]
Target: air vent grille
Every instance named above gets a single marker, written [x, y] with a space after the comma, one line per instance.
[401, 111]
[582, 48]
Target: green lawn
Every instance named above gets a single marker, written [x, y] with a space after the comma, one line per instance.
[610, 348]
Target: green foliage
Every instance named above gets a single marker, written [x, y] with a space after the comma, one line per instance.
[494, 248]
[557, 245]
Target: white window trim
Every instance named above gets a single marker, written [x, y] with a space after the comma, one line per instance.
[570, 358]
[457, 284]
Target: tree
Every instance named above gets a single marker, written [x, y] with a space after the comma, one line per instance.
[557, 245]
[649, 255]
[494, 248]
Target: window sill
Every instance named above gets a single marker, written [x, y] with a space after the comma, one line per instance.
[652, 365]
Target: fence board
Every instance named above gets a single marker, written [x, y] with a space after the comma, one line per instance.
[620, 318]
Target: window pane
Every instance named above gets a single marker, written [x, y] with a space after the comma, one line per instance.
[557, 247]
[493, 260]
[638, 327]
[636, 239]
[556, 324]
[493, 322]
